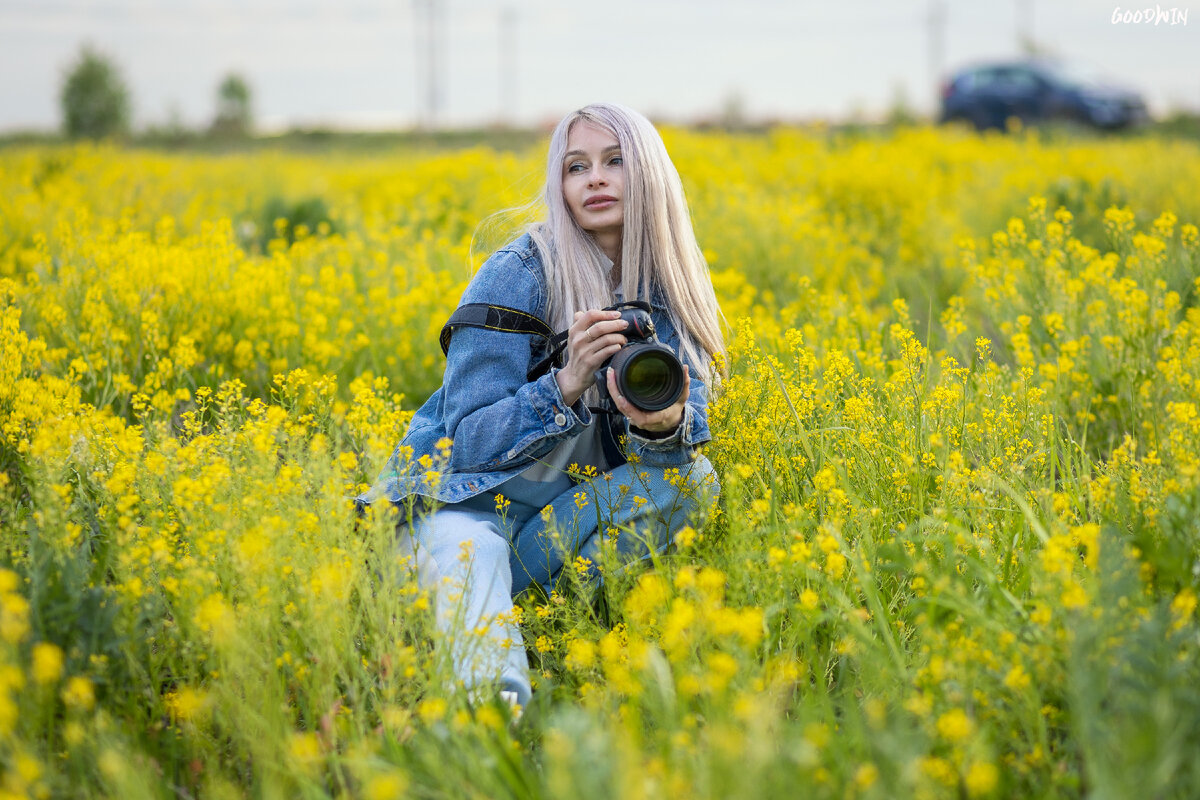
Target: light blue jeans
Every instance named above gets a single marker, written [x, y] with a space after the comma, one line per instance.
[475, 559]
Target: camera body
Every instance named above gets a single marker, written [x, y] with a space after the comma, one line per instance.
[648, 373]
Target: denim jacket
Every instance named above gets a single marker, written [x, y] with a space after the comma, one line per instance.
[499, 422]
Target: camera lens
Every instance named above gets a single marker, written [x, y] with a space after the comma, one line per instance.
[650, 377]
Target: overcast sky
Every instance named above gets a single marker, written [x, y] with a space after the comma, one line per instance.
[363, 63]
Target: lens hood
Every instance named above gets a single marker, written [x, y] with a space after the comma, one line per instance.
[648, 375]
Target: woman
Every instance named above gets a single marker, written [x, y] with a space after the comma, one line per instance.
[497, 460]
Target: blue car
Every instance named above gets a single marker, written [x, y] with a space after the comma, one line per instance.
[987, 95]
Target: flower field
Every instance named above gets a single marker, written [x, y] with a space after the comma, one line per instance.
[957, 551]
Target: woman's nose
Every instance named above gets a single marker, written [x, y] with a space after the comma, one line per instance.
[595, 177]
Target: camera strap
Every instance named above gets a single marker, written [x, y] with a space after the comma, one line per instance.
[513, 320]
[492, 318]
[505, 320]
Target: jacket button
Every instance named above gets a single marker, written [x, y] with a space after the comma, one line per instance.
[560, 419]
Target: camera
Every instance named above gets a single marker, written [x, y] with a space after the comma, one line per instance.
[648, 373]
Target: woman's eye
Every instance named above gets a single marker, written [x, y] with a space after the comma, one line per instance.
[616, 161]
[576, 167]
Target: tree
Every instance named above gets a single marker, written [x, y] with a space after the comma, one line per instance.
[94, 99]
[233, 107]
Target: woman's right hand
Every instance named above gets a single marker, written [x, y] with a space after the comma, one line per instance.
[593, 338]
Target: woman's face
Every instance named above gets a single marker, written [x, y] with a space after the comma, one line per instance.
[593, 180]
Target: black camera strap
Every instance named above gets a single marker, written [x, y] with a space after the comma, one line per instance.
[492, 318]
[513, 320]
[505, 320]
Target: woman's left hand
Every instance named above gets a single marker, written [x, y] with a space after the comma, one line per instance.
[662, 421]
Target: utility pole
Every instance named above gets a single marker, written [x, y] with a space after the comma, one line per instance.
[508, 65]
[420, 45]
[1025, 42]
[937, 49]
[427, 23]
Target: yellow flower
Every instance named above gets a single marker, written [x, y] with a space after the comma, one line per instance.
[721, 669]
[432, 710]
[648, 599]
[955, 726]
[215, 616]
[78, 693]
[186, 704]
[390, 786]
[1183, 607]
[581, 654]
[939, 770]
[866, 776]
[8, 714]
[809, 600]
[981, 779]
[1074, 596]
[14, 617]
[685, 537]
[746, 624]
[47, 663]
[304, 748]
[1017, 678]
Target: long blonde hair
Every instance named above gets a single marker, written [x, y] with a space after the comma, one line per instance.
[658, 245]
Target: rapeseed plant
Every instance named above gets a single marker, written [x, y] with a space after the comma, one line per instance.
[959, 449]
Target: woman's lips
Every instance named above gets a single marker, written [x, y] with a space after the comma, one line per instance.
[599, 202]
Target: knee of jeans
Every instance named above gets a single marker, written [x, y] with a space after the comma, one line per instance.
[477, 545]
[489, 547]
[406, 548]
[453, 538]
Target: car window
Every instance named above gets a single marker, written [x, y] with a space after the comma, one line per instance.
[1008, 79]
[1016, 79]
[979, 79]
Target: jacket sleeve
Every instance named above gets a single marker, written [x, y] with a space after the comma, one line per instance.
[495, 417]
